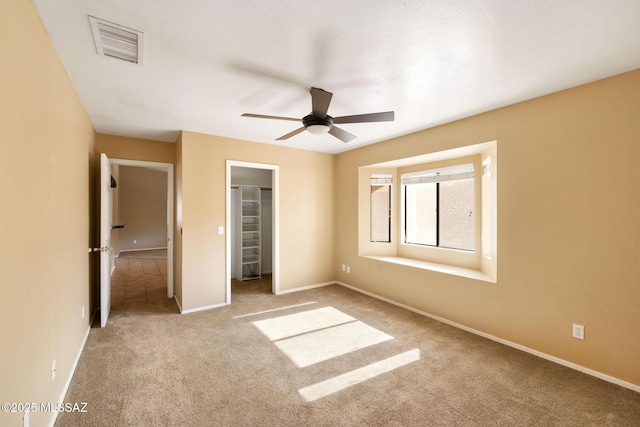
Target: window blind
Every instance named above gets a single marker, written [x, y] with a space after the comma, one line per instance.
[381, 179]
[451, 173]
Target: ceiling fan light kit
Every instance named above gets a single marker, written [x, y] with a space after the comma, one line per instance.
[316, 125]
[319, 122]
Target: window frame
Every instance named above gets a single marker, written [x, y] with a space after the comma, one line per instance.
[381, 180]
[461, 172]
[443, 255]
[481, 264]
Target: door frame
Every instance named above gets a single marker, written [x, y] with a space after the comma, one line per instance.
[275, 223]
[105, 248]
[168, 168]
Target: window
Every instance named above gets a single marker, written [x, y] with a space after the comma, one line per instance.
[438, 207]
[440, 213]
[381, 208]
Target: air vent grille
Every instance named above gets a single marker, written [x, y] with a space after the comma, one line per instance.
[116, 41]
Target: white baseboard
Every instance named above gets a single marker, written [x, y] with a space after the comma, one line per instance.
[141, 249]
[65, 389]
[520, 347]
[207, 307]
[305, 288]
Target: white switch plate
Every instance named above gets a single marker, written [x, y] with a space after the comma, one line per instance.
[344, 267]
[348, 269]
[220, 230]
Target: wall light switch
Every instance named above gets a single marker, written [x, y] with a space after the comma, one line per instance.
[344, 267]
[220, 230]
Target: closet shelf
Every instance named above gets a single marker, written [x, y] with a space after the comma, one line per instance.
[248, 215]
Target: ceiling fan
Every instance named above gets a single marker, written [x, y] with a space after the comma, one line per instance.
[319, 122]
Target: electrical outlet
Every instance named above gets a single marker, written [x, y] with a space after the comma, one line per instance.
[578, 331]
[83, 312]
[348, 269]
[220, 230]
[344, 267]
[53, 370]
[135, 242]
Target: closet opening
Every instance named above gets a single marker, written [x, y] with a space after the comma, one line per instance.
[252, 228]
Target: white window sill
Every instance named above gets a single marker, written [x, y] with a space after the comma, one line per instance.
[432, 266]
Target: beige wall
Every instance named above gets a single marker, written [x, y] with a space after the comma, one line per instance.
[46, 188]
[568, 209]
[120, 147]
[143, 208]
[306, 214]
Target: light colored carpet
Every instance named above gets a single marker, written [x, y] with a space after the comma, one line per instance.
[323, 357]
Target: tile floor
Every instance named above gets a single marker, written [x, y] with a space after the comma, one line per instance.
[138, 280]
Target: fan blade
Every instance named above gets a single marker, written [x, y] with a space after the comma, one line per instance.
[387, 116]
[320, 100]
[290, 134]
[342, 135]
[260, 116]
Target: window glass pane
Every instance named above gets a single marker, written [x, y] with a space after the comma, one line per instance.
[457, 219]
[380, 213]
[420, 214]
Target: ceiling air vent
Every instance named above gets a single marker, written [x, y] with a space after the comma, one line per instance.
[116, 41]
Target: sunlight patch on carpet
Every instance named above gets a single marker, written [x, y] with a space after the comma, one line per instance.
[317, 335]
[314, 347]
[290, 325]
[357, 376]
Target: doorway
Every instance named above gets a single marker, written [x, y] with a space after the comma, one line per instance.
[166, 168]
[266, 178]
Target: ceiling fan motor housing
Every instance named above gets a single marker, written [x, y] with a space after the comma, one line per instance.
[312, 120]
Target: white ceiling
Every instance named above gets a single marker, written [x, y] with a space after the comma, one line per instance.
[432, 61]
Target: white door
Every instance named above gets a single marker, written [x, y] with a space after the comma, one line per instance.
[105, 239]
